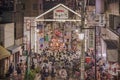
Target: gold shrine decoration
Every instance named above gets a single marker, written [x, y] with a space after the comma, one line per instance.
[55, 44]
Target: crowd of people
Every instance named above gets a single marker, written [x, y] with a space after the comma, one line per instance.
[98, 67]
[16, 72]
[59, 65]
[65, 65]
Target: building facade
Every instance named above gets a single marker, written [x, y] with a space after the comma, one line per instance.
[11, 21]
[48, 4]
[33, 8]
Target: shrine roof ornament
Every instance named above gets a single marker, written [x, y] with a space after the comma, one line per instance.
[59, 11]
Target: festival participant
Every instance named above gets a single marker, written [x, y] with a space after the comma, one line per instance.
[53, 73]
[63, 73]
[19, 72]
[11, 69]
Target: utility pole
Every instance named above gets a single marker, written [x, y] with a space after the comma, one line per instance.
[82, 50]
[83, 13]
[28, 58]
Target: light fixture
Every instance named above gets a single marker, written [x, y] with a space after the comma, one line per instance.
[81, 36]
[76, 30]
[37, 30]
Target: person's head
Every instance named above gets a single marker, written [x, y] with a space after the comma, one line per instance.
[17, 65]
[43, 67]
[20, 64]
[93, 67]
[98, 68]
[10, 64]
[21, 60]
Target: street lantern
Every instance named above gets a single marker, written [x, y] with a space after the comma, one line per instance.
[81, 36]
[82, 65]
[76, 30]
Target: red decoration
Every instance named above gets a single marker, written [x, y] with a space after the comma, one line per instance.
[88, 59]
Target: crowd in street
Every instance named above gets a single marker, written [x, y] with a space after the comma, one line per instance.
[59, 65]
[100, 68]
[65, 65]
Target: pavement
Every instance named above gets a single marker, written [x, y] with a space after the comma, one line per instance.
[49, 78]
[14, 76]
[37, 77]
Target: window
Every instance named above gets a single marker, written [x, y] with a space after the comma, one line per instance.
[0, 3]
[23, 6]
[91, 2]
[47, 0]
[40, 7]
[7, 5]
[35, 6]
[1, 37]
[112, 1]
[91, 39]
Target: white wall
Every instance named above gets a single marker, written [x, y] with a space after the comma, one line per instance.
[103, 46]
[107, 34]
[8, 34]
[113, 8]
[112, 35]
[19, 41]
[111, 55]
[27, 32]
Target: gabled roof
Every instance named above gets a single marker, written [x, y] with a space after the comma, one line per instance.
[57, 7]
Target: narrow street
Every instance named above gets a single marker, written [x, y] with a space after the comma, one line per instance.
[59, 39]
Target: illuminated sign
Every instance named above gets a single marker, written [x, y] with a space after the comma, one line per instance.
[60, 13]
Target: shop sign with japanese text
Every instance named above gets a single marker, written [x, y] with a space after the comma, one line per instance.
[60, 13]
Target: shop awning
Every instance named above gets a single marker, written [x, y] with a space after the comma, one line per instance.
[111, 44]
[4, 53]
[14, 48]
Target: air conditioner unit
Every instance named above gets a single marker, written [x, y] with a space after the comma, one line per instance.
[100, 19]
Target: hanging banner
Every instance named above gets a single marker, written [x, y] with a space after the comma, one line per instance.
[60, 13]
[39, 26]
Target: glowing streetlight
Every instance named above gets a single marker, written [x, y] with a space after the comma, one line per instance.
[82, 61]
[81, 36]
[76, 31]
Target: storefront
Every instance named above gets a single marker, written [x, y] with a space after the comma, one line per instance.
[15, 57]
[4, 61]
[110, 51]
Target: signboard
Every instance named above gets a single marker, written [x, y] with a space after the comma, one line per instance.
[60, 13]
[28, 24]
[112, 55]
